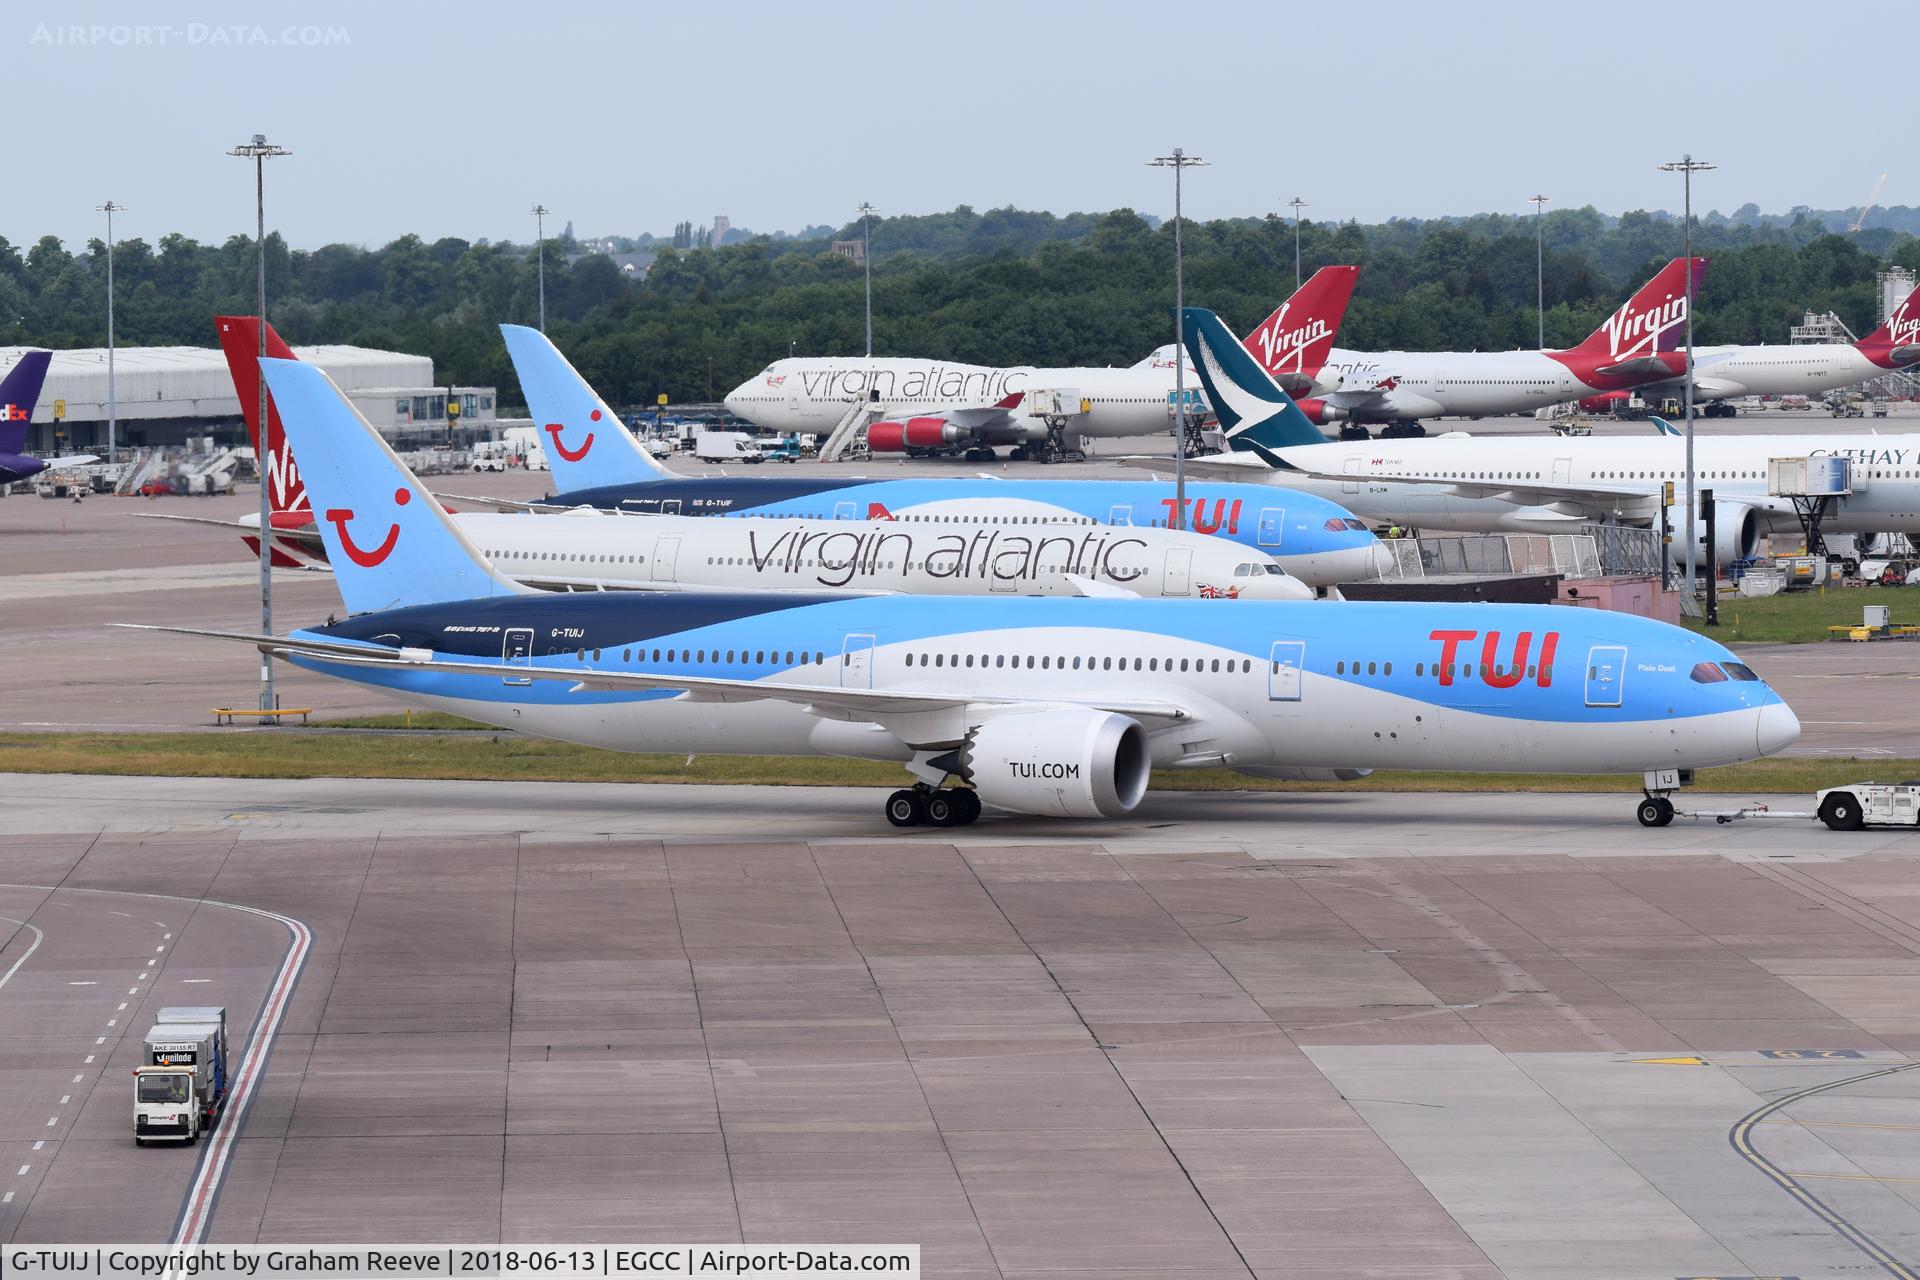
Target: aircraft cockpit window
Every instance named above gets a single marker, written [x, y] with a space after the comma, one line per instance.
[1351, 523]
[1335, 524]
[1708, 673]
[1741, 671]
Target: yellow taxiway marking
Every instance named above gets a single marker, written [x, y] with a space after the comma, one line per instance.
[1670, 1062]
[1851, 1177]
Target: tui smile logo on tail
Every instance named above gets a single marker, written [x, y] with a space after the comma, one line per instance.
[338, 518]
[571, 455]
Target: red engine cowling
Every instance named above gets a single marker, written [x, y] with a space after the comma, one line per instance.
[1606, 402]
[1319, 412]
[914, 433]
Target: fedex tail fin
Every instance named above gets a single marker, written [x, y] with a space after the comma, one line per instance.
[19, 392]
[389, 542]
[1652, 321]
[1257, 416]
[1896, 344]
[585, 444]
[240, 339]
[1294, 342]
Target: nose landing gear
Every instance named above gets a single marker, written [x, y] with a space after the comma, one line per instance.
[1655, 809]
[930, 806]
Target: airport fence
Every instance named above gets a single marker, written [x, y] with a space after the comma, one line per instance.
[1605, 551]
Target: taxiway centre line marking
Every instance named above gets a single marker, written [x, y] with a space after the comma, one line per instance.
[1740, 1137]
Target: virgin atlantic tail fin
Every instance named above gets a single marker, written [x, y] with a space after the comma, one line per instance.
[1652, 321]
[240, 340]
[1294, 342]
[1896, 344]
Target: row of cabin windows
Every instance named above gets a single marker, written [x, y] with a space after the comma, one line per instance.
[570, 556]
[1449, 669]
[1048, 662]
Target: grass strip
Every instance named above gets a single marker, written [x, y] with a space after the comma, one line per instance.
[510, 757]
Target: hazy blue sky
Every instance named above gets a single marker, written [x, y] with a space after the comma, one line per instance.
[454, 119]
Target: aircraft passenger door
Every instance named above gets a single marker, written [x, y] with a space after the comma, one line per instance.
[1272, 521]
[1283, 670]
[1120, 517]
[1606, 671]
[1179, 573]
[1352, 483]
[1563, 470]
[843, 511]
[666, 552]
[516, 649]
[856, 662]
[670, 506]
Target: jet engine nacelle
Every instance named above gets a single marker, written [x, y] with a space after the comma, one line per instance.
[1736, 532]
[914, 433]
[1320, 413]
[1066, 763]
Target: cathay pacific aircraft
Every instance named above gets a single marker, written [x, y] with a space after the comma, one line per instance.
[1544, 484]
[1051, 707]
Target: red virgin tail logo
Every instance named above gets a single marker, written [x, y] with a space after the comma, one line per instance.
[1903, 327]
[1298, 337]
[1651, 321]
[878, 511]
[571, 455]
[339, 517]
[1283, 348]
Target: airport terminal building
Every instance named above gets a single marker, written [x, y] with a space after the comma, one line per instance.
[166, 395]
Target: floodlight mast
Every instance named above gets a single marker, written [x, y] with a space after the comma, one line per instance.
[259, 150]
[1178, 161]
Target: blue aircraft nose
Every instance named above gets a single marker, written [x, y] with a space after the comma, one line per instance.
[1778, 728]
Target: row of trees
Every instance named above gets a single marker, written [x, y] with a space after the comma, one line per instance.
[1002, 287]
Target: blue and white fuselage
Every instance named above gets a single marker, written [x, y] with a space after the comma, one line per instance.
[1266, 684]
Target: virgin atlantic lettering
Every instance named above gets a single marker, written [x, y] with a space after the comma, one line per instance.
[1632, 332]
[838, 557]
[1279, 346]
[967, 383]
[1492, 672]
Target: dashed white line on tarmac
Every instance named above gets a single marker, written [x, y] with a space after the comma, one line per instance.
[100, 1040]
[190, 980]
[23, 1171]
[40, 1144]
[89, 1058]
[52, 1121]
[83, 984]
[82, 1076]
[65, 1098]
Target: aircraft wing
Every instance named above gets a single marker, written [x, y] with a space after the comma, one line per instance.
[1608, 498]
[976, 417]
[864, 702]
[505, 505]
[73, 460]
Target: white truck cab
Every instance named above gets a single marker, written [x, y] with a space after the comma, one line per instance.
[1863, 804]
[179, 1089]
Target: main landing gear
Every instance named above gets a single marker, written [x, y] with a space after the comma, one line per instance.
[921, 805]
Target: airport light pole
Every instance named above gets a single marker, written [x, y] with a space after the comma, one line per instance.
[113, 403]
[866, 258]
[1296, 204]
[259, 150]
[1540, 267]
[1177, 161]
[1686, 167]
[539, 212]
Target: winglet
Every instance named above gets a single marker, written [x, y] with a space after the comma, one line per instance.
[390, 544]
[1256, 415]
[586, 445]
